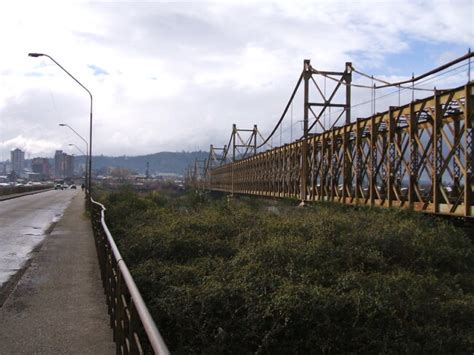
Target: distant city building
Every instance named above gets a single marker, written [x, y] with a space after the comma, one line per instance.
[68, 166]
[8, 167]
[58, 164]
[63, 165]
[18, 161]
[41, 166]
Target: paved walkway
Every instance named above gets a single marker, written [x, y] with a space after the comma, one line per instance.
[58, 306]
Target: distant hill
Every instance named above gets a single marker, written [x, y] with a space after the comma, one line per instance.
[163, 162]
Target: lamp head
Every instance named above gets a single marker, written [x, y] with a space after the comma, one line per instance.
[35, 55]
[62, 124]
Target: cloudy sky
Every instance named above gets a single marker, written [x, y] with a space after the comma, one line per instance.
[176, 75]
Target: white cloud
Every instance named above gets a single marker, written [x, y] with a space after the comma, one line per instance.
[31, 146]
[254, 69]
[179, 73]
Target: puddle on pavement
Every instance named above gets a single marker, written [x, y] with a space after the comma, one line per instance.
[57, 217]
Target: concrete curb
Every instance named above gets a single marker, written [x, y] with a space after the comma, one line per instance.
[12, 196]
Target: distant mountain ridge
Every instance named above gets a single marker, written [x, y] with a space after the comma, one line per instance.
[162, 162]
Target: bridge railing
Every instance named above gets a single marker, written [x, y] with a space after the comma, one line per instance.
[417, 156]
[135, 331]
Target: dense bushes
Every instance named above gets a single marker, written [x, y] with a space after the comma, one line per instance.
[245, 276]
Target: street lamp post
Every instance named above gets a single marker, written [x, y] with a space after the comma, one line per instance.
[87, 151]
[89, 183]
[79, 149]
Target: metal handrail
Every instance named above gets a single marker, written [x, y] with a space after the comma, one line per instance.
[129, 314]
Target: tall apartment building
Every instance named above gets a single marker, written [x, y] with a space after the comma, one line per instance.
[58, 164]
[18, 161]
[68, 165]
[41, 166]
[63, 164]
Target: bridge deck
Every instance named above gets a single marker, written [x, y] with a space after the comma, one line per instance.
[58, 306]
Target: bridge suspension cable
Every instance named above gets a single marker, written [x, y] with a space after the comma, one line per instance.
[295, 90]
[440, 76]
[431, 76]
[467, 56]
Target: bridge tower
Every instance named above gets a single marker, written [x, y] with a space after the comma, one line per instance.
[238, 142]
[317, 109]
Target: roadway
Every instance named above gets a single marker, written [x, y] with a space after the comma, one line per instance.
[24, 223]
[54, 301]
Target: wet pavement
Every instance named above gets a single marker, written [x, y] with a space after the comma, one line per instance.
[24, 222]
[57, 304]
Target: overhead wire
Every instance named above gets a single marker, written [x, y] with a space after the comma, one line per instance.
[361, 86]
[422, 79]
[401, 89]
[467, 56]
[427, 74]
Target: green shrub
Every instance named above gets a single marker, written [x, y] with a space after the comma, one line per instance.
[252, 276]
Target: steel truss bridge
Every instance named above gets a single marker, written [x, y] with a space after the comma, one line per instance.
[417, 156]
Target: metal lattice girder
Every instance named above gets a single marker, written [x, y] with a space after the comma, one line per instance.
[417, 156]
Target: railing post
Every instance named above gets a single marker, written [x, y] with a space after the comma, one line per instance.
[119, 309]
[121, 293]
[109, 286]
[103, 258]
[132, 328]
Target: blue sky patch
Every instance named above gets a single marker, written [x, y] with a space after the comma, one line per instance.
[422, 56]
[98, 70]
[34, 73]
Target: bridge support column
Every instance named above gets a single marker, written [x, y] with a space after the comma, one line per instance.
[391, 157]
[437, 153]
[468, 149]
[373, 162]
[358, 161]
[304, 144]
[413, 155]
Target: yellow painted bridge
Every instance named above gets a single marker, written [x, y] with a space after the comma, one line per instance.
[417, 156]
